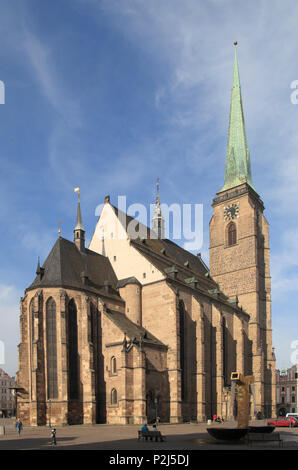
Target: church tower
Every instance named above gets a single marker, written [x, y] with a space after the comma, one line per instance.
[239, 252]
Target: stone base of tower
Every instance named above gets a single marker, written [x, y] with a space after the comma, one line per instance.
[23, 412]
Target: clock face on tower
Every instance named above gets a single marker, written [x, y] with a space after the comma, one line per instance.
[231, 212]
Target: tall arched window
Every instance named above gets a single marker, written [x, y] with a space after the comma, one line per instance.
[73, 365]
[114, 397]
[93, 323]
[51, 338]
[232, 234]
[113, 365]
[31, 311]
[225, 351]
[182, 346]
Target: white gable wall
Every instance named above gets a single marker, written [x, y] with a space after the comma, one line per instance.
[125, 259]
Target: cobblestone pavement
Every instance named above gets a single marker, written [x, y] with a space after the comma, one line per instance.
[114, 437]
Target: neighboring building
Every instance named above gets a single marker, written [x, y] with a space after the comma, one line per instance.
[287, 391]
[7, 397]
[132, 328]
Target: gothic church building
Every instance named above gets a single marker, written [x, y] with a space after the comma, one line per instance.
[133, 328]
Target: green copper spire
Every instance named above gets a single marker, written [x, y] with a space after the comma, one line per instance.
[237, 160]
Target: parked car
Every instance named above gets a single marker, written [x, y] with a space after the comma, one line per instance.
[283, 422]
[292, 415]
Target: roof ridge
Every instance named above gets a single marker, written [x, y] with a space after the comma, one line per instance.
[185, 270]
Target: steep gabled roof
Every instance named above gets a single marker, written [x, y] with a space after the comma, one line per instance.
[166, 255]
[66, 266]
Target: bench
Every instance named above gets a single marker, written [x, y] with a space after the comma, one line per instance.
[264, 437]
[145, 435]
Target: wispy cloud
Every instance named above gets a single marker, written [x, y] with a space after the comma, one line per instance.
[44, 68]
[194, 42]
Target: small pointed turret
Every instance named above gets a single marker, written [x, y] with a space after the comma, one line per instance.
[39, 270]
[158, 223]
[38, 267]
[79, 231]
[238, 169]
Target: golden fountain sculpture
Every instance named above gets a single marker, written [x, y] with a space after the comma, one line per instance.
[243, 382]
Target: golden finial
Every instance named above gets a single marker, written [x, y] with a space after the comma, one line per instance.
[59, 231]
[77, 190]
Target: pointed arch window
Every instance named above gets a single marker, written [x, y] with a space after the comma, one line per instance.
[93, 330]
[73, 359]
[232, 234]
[114, 398]
[51, 339]
[31, 310]
[113, 366]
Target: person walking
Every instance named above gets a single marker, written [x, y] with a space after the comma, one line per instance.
[53, 434]
[19, 426]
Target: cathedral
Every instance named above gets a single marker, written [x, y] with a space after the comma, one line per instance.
[131, 329]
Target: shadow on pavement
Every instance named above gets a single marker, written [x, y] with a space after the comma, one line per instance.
[23, 443]
[185, 442]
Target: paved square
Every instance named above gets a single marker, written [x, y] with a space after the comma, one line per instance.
[109, 437]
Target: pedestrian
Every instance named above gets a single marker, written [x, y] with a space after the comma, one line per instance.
[19, 426]
[145, 427]
[53, 433]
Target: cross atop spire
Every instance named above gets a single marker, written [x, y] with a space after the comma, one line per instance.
[238, 169]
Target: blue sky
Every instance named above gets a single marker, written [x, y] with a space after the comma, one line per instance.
[107, 95]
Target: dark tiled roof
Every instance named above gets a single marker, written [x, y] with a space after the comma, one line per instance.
[195, 263]
[169, 262]
[164, 253]
[125, 219]
[66, 266]
[167, 256]
[132, 330]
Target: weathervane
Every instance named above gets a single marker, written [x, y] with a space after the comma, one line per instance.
[77, 190]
